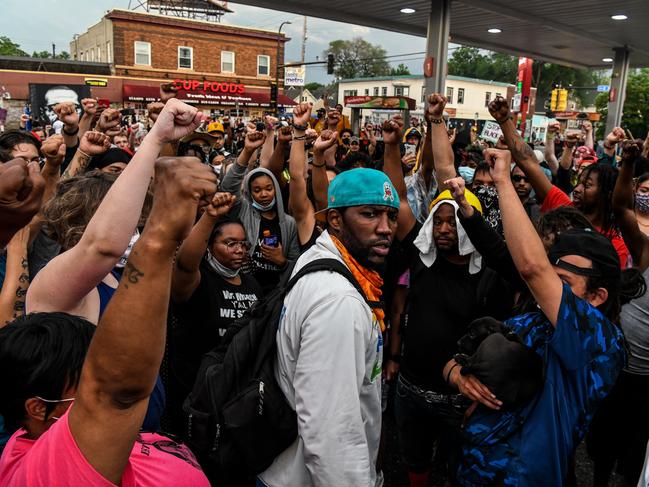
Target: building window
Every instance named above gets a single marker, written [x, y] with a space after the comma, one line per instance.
[185, 57]
[263, 65]
[109, 54]
[460, 96]
[143, 53]
[227, 62]
[423, 94]
[487, 98]
[92, 54]
[350, 93]
[401, 90]
[384, 91]
[449, 94]
[376, 91]
[367, 91]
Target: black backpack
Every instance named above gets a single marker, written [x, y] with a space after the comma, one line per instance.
[238, 419]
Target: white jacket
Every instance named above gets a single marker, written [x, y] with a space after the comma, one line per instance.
[329, 354]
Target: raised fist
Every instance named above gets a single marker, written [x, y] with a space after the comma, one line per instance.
[182, 184]
[311, 135]
[333, 118]
[109, 122]
[176, 120]
[21, 192]
[631, 150]
[499, 109]
[327, 139]
[270, 122]
[285, 134]
[94, 143]
[154, 110]
[254, 140]
[392, 130]
[167, 92]
[587, 126]
[24, 118]
[500, 164]
[89, 106]
[302, 113]
[456, 186]
[435, 107]
[220, 205]
[616, 135]
[554, 127]
[67, 113]
[54, 150]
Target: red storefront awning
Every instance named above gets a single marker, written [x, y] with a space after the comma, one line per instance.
[147, 94]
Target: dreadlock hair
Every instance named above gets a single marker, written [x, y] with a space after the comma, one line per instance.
[559, 220]
[606, 177]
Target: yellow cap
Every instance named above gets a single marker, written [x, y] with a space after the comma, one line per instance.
[446, 195]
[215, 127]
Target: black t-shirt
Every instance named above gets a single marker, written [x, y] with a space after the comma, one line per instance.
[442, 301]
[200, 323]
[266, 273]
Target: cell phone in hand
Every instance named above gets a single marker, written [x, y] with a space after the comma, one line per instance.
[260, 126]
[411, 149]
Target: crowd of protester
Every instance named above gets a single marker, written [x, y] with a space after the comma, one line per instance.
[494, 295]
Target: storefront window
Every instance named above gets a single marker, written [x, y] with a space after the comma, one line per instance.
[185, 57]
[227, 62]
[142, 53]
[460, 96]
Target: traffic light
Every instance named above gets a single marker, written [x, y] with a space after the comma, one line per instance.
[330, 63]
[562, 103]
[273, 95]
[554, 97]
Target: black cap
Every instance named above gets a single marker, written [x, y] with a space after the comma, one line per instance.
[591, 245]
[111, 156]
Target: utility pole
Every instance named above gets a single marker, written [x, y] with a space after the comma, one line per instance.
[53, 51]
[303, 55]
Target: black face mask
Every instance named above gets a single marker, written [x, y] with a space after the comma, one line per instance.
[346, 140]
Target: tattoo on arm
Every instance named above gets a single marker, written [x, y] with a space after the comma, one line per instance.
[132, 274]
[21, 290]
[83, 162]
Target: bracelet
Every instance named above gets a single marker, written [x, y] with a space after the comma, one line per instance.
[319, 165]
[84, 154]
[71, 133]
[300, 127]
[448, 375]
[300, 137]
[509, 117]
[437, 121]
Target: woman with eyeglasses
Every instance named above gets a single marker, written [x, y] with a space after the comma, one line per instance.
[208, 293]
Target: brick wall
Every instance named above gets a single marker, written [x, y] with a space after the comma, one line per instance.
[207, 41]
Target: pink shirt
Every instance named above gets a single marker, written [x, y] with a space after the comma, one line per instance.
[54, 460]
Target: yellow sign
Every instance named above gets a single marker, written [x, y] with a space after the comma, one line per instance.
[101, 82]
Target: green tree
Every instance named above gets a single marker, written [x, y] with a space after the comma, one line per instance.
[42, 54]
[63, 55]
[314, 85]
[357, 58]
[635, 113]
[9, 48]
[400, 70]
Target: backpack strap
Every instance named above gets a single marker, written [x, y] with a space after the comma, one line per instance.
[331, 265]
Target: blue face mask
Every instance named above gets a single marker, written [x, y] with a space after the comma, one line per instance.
[257, 206]
[466, 173]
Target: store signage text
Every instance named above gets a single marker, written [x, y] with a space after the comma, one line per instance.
[209, 86]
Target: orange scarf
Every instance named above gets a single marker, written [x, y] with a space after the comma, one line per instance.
[369, 280]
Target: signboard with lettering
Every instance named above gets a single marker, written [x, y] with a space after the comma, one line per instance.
[209, 86]
[491, 131]
[294, 76]
[99, 82]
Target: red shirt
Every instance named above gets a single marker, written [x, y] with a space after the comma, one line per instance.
[557, 198]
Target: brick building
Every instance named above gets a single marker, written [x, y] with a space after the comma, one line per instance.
[216, 66]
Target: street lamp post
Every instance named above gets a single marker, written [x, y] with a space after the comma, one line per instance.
[279, 31]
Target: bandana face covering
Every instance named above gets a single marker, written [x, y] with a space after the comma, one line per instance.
[488, 197]
[269, 207]
[219, 268]
[642, 203]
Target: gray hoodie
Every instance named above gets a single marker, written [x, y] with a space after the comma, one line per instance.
[250, 216]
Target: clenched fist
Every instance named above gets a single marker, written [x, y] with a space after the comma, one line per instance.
[499, 109]
[176, 120]
[168, 91]
[109, 122]
[435, 107]
[94, 143]
[54, 150]
[67, 113]
[302, 113]
[154, 110]
[326, 140]
[89, 106]
[392, 130]
[254, 140]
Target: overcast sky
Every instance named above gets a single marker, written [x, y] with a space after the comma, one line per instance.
[36, 24]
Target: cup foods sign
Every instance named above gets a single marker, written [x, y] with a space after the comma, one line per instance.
[209, 86]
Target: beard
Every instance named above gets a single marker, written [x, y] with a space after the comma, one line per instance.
[359, 251]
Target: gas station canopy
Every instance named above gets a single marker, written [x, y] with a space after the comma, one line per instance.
[578, 33]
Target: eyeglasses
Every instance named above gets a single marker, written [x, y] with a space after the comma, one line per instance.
[54, 401]
[517, 178]
[234, 245]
